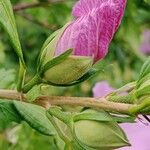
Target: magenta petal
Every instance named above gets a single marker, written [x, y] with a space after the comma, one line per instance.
[145, 44]
[90, 35]
[83, 7]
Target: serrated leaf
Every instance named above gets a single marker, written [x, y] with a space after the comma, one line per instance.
[35, 116]
[8, 114]
[7, 20]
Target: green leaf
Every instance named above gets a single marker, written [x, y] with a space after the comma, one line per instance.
[144, 79]
[7, 20]
[8, 114]
[35, 116]
[143, 90]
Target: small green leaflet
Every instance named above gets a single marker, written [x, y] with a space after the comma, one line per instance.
[35, 116]
[7, 21]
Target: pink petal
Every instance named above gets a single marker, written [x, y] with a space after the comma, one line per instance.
[83, 7]
[91, 34]
[101, 89]
[138, 135]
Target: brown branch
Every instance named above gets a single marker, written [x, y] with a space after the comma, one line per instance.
[47, 101]
[37, 22]
[23, 6]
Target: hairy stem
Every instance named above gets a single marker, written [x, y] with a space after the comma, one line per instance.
[47, 101]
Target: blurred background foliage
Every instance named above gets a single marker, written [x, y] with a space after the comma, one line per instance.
[121, 65]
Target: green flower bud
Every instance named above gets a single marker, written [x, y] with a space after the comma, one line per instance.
[90, 129]
[68, 71]
[104, 135]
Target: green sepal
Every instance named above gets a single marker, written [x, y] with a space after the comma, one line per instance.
[65, 117]
[144, 89]
[55, 61]
[145, 70]
[102, 116]
[33, 93]
[93, 115]
[144, 79]
[37, 79]
[35, 116]
[69, 71]
[124, 119]
[84, 128]
[44, 48]
[85, 77]
[49, 47]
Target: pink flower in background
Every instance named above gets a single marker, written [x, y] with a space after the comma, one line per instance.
[95, 24]
[138, 133]
[101, 89]
[145, 45]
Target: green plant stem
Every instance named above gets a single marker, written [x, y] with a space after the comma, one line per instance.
[59, 131]
[21, 77]
[34, 81]
[96, 103]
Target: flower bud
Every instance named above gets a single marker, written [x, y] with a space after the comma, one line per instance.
[104, 135]
[88, 35]
[70, 70]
